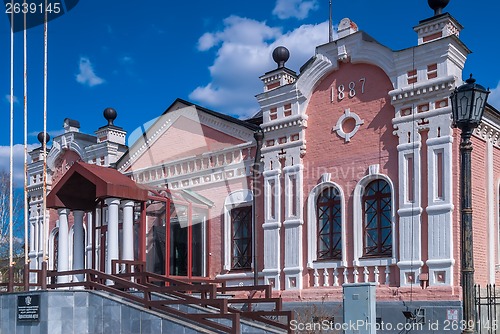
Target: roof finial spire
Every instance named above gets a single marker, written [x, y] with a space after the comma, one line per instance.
[281, 55]
[438, 5]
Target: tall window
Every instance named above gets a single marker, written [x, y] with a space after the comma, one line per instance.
[329, 225]
[241, 234]
[377, 219]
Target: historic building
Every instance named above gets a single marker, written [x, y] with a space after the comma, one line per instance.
[359, 180]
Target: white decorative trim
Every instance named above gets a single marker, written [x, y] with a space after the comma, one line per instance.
[207, 169]
[293, 174]
[339, 126]
[239, 198]
[409, 204]
[63, 143]
[312, 234]
[52, 240]
[272, 225]
[439, 210]
[358, 223]
[165, 121]
[293, 225]
[416, 91]
[488, 130]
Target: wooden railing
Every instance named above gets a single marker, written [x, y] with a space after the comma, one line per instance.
[208, 300]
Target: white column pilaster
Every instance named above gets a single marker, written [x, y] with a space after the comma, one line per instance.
[410, 204]
[272, 225]
[112, 235]
[128, 230]
[293, 223]
[78, 244]
[63, 250]
[33, 251]
[440, 206]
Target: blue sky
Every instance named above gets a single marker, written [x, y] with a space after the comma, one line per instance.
[137, 57]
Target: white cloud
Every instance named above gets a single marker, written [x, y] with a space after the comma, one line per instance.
[298, 9]
[18, 161]
[52, 133]
[244, 49]
[494, 97]
[87, 75]
[15, 99]
[126, 60]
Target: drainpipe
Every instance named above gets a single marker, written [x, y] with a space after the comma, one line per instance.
[259, 137]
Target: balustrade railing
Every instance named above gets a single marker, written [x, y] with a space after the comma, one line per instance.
[202, 163]
[331, 275]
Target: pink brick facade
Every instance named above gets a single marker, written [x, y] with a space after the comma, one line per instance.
[358, 113]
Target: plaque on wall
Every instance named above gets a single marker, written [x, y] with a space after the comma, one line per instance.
[28, 308]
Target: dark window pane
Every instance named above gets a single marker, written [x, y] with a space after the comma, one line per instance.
[241, 234]
[377, 217]
[329, 224]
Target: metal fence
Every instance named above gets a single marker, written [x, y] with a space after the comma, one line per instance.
[487, 300]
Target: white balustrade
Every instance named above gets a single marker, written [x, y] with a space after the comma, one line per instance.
[325, 277]
[335, 277]
[371, 274]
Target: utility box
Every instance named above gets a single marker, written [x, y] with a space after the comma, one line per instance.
[359, 308]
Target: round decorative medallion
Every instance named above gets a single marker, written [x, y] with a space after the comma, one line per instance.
[348, 124]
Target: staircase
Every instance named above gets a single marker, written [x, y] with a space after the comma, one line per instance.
[209, 303]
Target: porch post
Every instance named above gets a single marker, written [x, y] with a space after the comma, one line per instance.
[128, 230]
[88, 245]
[78, 244]
[112, 237]
[63, 249]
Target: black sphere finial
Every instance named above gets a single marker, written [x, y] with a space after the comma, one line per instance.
[40, 138]
[281, 55]
[110, 115]
[438, 5]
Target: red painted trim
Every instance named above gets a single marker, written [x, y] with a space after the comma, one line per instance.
[207, 244]
[167, 237]
[190, 241]
[94, 232]
[142, 234]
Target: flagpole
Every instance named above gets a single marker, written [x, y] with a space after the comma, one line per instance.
[44, 197]
[11, 161]
[26, 260]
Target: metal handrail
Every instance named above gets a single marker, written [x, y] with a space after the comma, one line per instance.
[135, 284]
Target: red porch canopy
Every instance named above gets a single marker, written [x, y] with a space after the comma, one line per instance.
[83, 184]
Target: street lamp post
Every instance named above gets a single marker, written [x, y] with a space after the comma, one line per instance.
[467, 105]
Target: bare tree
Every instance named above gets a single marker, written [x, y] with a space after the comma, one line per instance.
[18, 221]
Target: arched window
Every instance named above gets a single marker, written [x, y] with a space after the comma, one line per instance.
[329, 224]
[238, 228]
[241, 236]
[377, 218]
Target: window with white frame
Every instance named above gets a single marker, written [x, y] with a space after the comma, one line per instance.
[326, 225]
[377, 219]
[329, 224]
[241, 237]
[374, 220]
[238, 228]
[53, 249]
